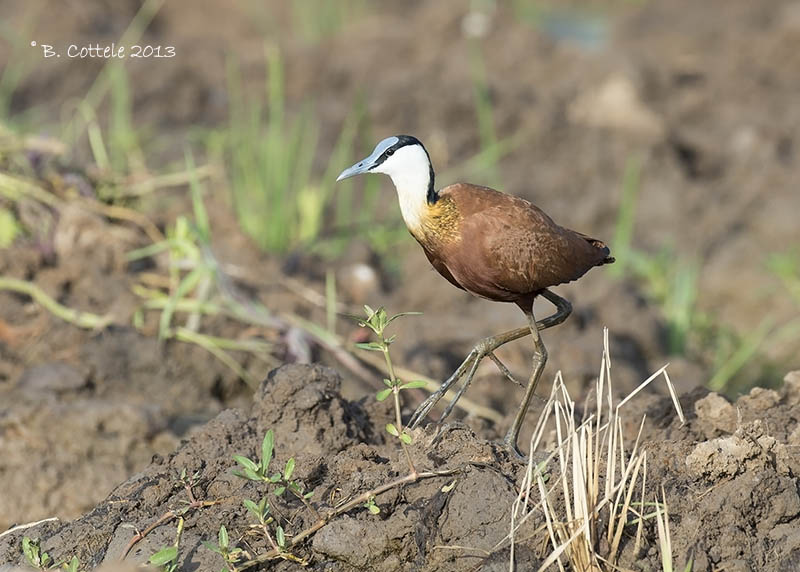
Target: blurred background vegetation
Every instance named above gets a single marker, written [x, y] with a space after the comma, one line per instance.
[671, 136]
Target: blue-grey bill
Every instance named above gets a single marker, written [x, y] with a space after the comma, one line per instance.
[357, 169]
[366, 164]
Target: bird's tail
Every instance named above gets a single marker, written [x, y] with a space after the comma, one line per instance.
[604, 250]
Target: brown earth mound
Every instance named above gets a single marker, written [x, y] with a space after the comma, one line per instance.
[730, 474]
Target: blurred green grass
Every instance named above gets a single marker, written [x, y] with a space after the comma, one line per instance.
[670, 281]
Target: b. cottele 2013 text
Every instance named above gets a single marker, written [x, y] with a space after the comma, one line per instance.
[97, 51]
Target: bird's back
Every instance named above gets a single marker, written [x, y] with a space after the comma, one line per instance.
[503, 247]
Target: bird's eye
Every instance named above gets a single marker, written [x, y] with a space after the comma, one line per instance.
[390, 152]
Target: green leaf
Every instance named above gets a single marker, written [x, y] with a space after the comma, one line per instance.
[370, 312]
[392, 430]
[417, 383]
[275, 478]
[200, 213]
[380, 319]
[449, 487]
[401, 314]
[212, 547]
[405, 438]
[73, 565]
[279, 491]
[266, 450]
[164, 556]
[388, 382]
[223, 536]
[26, 545]
[252, 507]
[186, 285]
[287, 472]
[374, 509]
[9, 228]
[280, 536]
[383, 394]
[390, 340]
[308, 495]
[247, 463]
[45, 559]
[30, 549]
[370, 346]
[249, 475]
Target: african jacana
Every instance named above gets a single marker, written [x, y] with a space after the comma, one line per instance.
[491, 244]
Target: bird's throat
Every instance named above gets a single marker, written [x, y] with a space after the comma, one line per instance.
[414, 193]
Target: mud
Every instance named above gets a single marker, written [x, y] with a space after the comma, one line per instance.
[733, 500]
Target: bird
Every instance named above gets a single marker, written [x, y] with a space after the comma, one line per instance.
[491, 244]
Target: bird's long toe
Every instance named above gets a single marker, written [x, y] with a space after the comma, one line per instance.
[424, 408]
[510, 445]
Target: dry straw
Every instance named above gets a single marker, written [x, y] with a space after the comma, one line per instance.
[599, 481]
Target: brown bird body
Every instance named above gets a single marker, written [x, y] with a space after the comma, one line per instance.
[493, 245]
[501, 247]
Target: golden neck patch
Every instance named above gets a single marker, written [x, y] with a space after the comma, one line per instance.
[439, 222]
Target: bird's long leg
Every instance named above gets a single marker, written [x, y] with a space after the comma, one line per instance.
[486, 346]
[539, 360]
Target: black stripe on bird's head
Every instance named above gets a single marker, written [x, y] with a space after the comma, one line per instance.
[402, 157]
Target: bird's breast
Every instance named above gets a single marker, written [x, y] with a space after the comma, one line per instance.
[438, 225]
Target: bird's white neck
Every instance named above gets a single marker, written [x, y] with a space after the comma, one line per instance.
[412, 193]
[410, 171]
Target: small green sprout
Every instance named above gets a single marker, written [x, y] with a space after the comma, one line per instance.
[73, 565]
[259, 471]
[280, 538]
[377, 321]
[34, 555]
[32, 550]
[166, 559]
[188, 481]
[260, 510]
[371, 506]
[223, 548]
[278, 543]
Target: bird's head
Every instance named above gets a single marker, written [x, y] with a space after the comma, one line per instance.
[405, 160]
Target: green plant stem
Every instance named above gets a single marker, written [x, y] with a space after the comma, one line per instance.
[396, 393]
[155, 183]
[81, 319]
[355, 502]
[17, 188]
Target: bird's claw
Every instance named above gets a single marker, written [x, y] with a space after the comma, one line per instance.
[510, 445]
